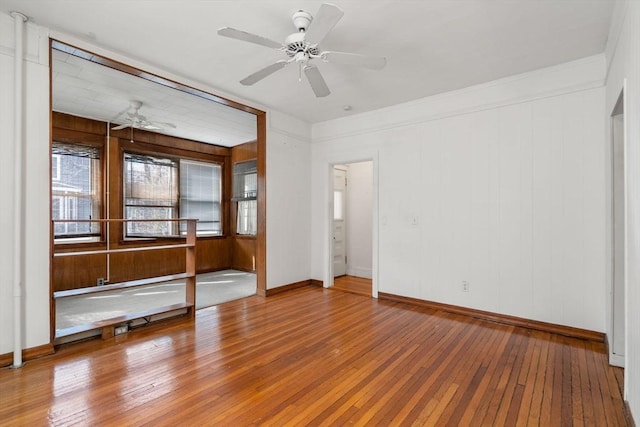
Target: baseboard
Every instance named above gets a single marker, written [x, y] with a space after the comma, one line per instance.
[500, 318]
[628, 416]
[359, 272]
[28, 354]
[289, 287]
[316, 282]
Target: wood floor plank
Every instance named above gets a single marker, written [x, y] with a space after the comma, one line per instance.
[352, 284]
[313, 356]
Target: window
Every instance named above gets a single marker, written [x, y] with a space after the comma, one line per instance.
[150, 192]
[245, 191]
[163, 188]
[75, 190]
[200, 195]
[247, 222]
[338, 208]
[55, 167]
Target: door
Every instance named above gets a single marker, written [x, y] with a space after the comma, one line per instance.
[339, 222]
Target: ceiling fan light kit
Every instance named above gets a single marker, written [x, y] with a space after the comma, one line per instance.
[302, 48]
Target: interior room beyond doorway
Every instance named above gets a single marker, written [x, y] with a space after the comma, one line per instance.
[352, 230]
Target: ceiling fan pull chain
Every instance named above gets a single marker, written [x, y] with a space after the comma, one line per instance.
[299, 72]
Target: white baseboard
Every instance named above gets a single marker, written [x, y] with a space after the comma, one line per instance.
[616, 360]
[359, 272]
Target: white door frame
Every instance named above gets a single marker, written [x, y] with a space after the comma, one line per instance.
[344, 219]
[328, 219]
[616, 359]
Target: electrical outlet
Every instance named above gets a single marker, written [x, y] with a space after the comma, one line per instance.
[100, 281]
[465, 286]
[119, 330]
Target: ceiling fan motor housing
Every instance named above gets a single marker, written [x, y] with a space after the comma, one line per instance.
[295, 44]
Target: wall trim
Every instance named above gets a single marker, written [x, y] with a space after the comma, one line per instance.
[289, 287]
[511, 90]
[359, 272]
[567, 331]
[28, 354]
[461, 112]
[615, 30]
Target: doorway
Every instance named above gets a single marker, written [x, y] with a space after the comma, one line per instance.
[618, 233]
[352, 228]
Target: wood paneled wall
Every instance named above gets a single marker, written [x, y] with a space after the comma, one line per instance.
[243, 247]
[213, 253]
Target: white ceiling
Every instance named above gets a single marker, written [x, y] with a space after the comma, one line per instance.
[87, 89]
[432, 46]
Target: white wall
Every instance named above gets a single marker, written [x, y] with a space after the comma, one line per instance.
[501, 185]
[359, 219]
[288, 200]
[36, 146]
[623, 55]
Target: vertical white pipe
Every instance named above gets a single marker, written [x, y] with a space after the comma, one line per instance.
[18, 190]
[107, 193]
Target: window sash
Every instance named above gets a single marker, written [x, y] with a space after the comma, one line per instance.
[75, 189]
[201, 196]
[245, 181]
[150, 192]
[247, 218]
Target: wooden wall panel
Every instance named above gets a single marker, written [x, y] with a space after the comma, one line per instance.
[244, 254]
[77, 272]
[213, 254]
[244, 152]
[139, 265]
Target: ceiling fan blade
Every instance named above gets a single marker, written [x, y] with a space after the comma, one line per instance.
[267, 71]
[327, 17]
[157, 125]
[121, 126]
[372, 62]
[248, 37]
[316, 81]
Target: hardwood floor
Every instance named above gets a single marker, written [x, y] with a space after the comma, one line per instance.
[314, 356]
[355, 285]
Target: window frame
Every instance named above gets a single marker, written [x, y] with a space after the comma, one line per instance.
[219, 202]
[97, 197]
[241, 196]
[175, 155]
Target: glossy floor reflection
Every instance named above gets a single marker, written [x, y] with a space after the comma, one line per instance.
[211, 289]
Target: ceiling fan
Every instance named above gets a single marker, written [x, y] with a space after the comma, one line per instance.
[136, 120]
[303, 47]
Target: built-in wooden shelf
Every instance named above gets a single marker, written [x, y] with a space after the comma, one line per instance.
[107, 325]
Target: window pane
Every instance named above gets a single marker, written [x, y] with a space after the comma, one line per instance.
[247, 217]
[338, 209]
[75, 189]
[150, 228]
[200, 195]
[245, 180]
[151, 192]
